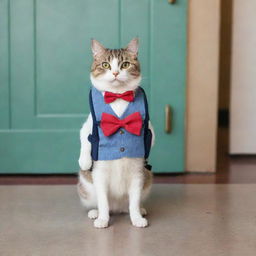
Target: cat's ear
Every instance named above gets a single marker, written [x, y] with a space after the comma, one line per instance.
[97, 48]
[133, 46]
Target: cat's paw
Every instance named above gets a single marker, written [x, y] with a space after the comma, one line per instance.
[100, 223]
[85, 162]
[143, 211]
[93, 214]
[140, 222]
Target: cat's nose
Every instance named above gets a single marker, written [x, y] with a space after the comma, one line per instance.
[115, 74]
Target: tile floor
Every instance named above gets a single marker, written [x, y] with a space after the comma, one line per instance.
[185, 219]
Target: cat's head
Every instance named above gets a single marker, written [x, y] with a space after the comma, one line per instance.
[115, 70]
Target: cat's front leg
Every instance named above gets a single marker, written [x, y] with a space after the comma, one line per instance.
[85, 160]
[134, 203]
[101, 188]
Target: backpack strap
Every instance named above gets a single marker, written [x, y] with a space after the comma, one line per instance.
[94, 137]
[146, 106]
[147, 131]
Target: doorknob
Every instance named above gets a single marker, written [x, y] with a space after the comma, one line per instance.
[171, 1]
[168, 119]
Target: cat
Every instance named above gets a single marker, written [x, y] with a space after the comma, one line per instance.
[118, 185]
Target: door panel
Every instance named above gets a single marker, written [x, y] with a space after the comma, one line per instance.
[50, 61]
[45, 63]
[4, 67]
[168, 62]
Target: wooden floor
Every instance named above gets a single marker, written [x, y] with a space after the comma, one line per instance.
[230, 170]
[184, 220]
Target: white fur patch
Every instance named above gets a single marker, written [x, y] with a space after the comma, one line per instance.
[114, 66]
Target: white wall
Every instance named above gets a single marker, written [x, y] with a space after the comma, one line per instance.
[243, 78]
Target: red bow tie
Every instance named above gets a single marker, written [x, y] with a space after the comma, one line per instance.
[110, 124]
[110, 96]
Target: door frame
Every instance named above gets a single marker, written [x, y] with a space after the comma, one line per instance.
[202, 85]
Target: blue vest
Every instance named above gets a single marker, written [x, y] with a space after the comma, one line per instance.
[121, 143]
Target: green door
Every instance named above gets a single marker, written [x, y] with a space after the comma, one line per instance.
[45, 60]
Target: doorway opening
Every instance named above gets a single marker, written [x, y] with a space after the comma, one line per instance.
[230, 168]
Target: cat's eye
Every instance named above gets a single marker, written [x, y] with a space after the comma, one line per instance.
[125, 65]
[105, 65]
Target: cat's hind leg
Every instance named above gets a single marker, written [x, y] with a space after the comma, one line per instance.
[148, 180]
[86, 190]
[93, 214]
